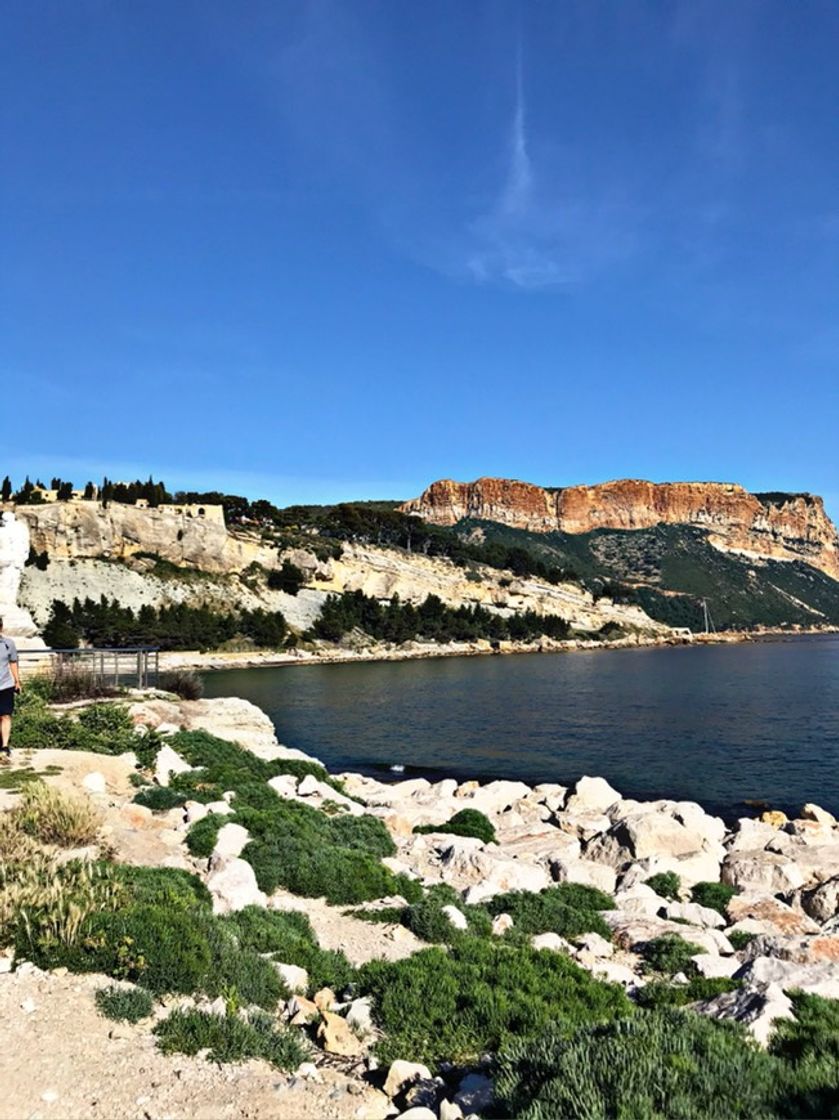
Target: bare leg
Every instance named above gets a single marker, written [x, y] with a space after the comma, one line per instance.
[5, 731]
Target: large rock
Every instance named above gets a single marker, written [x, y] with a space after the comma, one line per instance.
[750, 835]
[402, 1074]
[495, 797]
[591, 795]
[296, 979]
[335, 1036]
[758, 1006]
[761, 872]
[695, 914]
[816, 979]
[233, 887]
[822, 903]
[167, 763]
[811, 812]
[586, 872]
[632, 930]
[773, 914]
[823, 948]
[714, 966]
[230, 843]
[645, 836]
[508, 875]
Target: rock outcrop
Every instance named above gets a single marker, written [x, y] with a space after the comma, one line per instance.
[780, 526]
[87, 530]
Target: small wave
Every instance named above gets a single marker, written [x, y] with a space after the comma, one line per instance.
[397, 768]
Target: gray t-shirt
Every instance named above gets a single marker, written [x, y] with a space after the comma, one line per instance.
[8, 653]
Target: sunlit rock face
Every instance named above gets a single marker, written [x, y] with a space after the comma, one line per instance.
[780, 526]
[14, 550]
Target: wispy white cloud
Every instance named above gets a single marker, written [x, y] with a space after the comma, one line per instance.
[538, 232]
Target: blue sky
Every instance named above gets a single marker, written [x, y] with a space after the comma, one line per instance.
[323, 250]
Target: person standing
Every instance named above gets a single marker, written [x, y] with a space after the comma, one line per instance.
[9, 686]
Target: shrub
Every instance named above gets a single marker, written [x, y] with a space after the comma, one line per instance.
[426, 919]
[657, 1066]
[309, 869]
[54, 817]
[103, 728]
[127, 1005]
[366, 834]
[569, 909]
[661, 994]
[467, 822]
[670, 954]
[230, 1038]
[288, 936]
[716, 896]
[458, 1004]
[238, 971]
[740, 938]
[809, 1046]
[162, 949]
[202, 835]
[159, 798]
[183, 682]
[666, 884]
[47, 903]
[167, 887]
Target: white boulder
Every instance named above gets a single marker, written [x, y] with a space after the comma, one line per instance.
[758, 1006]
[230, 843]
[233, 887]
[167, 763]
[591, 795]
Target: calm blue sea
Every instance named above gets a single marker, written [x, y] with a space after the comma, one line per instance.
[716, 724]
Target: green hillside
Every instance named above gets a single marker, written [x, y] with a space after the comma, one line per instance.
[669, 569]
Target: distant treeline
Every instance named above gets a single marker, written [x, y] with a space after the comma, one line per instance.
[105, 623]
[432, 620]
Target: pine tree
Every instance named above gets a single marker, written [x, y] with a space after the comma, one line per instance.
[7, 489]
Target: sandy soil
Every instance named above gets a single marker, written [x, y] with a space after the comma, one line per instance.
[79, 1065]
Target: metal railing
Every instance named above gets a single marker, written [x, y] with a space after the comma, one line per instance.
[133, 667]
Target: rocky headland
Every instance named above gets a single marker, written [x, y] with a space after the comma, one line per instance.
[728, 919]
[780, 526]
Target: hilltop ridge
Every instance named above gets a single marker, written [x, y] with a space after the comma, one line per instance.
[770, 525]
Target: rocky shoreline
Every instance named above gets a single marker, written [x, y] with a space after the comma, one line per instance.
[755, 904]
[416, 651]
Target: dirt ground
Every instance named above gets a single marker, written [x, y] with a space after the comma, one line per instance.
[80, 1066]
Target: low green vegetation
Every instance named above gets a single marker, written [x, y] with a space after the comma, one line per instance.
[292, 845]
[669, 954]
[666, 884]
[159, 798]
[104, 728]
[287, 936]
[232, 1038]
[657, 1065]
[431, 620]
[466, 822]
[456, 1004]
[427, 919]
[740, 938]
[569, 909]
[124, 1005]
[660, 993]
[716, 896]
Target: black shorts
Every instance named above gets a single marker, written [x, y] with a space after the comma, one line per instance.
[7, 701]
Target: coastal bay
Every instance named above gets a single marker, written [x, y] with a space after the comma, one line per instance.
[719, 724]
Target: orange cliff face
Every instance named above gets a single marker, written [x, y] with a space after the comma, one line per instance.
[783, 527]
